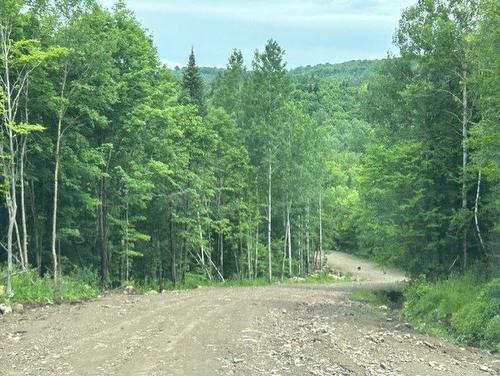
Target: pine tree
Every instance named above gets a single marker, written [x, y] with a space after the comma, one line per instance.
[193, 84]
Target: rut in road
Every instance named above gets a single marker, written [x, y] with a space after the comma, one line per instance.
[273, 330]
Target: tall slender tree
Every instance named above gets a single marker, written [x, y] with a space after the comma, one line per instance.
[193, 84]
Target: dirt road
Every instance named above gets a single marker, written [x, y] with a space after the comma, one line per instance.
[275, 330]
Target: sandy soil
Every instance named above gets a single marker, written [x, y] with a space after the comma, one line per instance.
[275, 330]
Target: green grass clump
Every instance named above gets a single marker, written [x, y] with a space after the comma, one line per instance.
[463, 307]
[370, 296]
[195, 280]
[29, 287]
[479, 321]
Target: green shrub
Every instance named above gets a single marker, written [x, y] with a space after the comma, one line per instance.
[463, 307]
[492, 336]
[193, 280]
[370, 296]
[477, 321]
[29, 287]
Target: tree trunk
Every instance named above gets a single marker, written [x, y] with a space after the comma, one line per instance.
[126, 242]
[269, 208]
[173, 269]
[55, 202]
[103, 222]
[464, 160]
[22, 185]
[285, 228]
[57, 156]
[36, 235]
[256, 268]
[308, 243]
[249, 254]
[202, 248]
[320, 231]
[8, 162]
[221, 251]
[476, 208]
[24, 244]
[19, 245]
[289, 232]
[301, 252]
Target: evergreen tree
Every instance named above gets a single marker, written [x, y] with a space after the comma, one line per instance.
[193, 84]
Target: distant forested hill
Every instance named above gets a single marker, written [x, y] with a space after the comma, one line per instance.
[208, 74]
[355, 71]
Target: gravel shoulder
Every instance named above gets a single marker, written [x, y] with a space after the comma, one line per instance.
[273, 330]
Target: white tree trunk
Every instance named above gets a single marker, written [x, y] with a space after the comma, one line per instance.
[256, 267]
[249, 253]
[127, 266]
[289, 233]
[8, 161]
[464, 160]
[269, 208]
[308, 240]
[285, 228]
[23, 206]
[57, 157]
[476, 209]
[320, 231]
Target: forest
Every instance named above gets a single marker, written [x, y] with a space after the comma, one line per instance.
[117, 170]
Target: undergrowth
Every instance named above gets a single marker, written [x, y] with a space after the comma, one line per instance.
[195, 280]
[83, 283]
[29, 287]
[370, 296]
[464, 307]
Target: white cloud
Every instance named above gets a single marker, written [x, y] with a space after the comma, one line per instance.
[279, 11]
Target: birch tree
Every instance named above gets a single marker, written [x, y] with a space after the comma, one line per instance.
[19, 58]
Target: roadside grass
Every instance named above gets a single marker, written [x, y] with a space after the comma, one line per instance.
[195, 280]
[465, 308]
[390, 298]
[30, 288]
[83, 283]
[369, 296]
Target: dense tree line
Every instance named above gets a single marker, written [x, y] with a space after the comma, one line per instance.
[429, 186]
[111, 161]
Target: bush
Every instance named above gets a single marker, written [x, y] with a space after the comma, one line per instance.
[193, 280]
[463, 307]
[478, 322]
[370, 296]
[29, 287]
[492, 335]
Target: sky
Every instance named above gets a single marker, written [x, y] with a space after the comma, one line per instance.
[310, 31]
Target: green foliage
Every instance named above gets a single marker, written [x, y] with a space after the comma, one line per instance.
[29, 287]
[353, 72]
[478, 321]
[373, 297]
[192, 83]
[208, 74]
[464, 307]
[164, 184]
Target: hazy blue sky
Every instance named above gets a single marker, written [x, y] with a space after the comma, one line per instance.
[311, 31]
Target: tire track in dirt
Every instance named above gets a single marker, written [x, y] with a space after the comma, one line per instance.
[271, 330]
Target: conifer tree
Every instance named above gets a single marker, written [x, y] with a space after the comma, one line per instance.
[193, 84]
